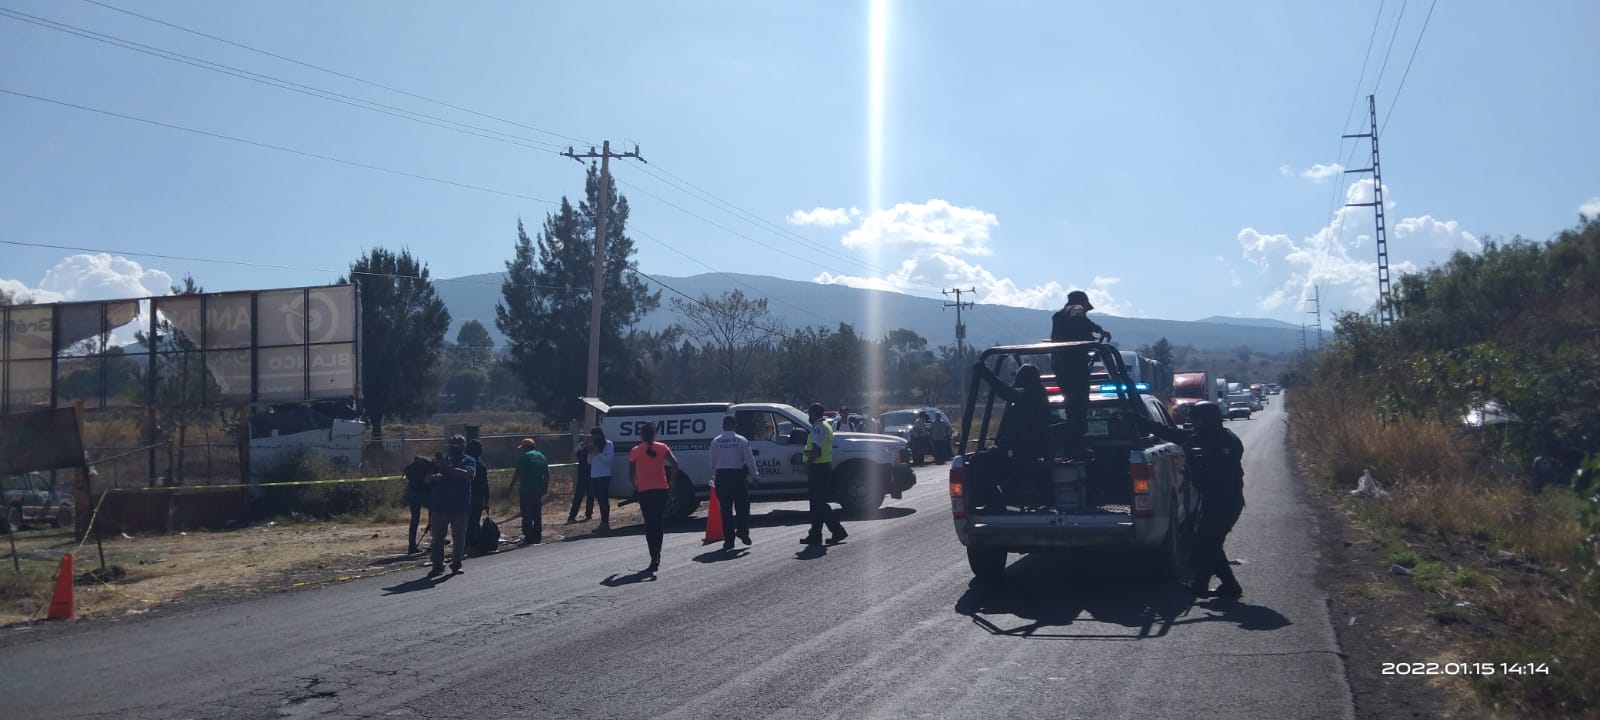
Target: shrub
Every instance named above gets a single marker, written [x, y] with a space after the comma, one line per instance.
[323, 500]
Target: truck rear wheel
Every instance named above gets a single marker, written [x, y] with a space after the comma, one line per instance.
[681, 502]
[988, 563]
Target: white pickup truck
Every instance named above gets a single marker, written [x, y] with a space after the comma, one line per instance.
[1131, 492]
[866, 466]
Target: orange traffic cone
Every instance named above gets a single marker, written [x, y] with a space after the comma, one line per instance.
[713, 520]
[61, 607]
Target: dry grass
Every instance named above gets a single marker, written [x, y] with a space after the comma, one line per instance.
[176, 567]
[1439, 498]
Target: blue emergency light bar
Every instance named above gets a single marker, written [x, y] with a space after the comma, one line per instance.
[1111, 389]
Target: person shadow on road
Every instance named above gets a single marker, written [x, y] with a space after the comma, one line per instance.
[615, 580]
[1245, 615]
[421, 583]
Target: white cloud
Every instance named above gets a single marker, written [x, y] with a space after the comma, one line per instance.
[934, 224]
[1319, 172]
[825, 217]
[1591, 207]
[93, 277]
[939, 242]
[1338, 258]
[1442, 235]
[1285, 170]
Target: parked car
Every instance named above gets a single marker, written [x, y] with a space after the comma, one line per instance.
[32, 497]
[1238, 410]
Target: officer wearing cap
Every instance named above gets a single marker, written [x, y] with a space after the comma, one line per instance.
[819, 480]
[1215, 460]
[1071, 324]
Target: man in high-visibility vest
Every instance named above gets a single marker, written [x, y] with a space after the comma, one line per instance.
[819, 480]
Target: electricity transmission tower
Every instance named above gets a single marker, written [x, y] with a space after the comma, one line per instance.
[1385, 302]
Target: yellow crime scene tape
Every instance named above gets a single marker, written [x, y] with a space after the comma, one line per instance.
[495, 471]
[95, 515]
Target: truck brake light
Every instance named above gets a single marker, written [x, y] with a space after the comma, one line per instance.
[958, 497]
[1142, 503]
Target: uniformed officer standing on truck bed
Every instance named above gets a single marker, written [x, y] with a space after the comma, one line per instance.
[733, 465]
[819, 480]
[1216, 466]
[1072, 323]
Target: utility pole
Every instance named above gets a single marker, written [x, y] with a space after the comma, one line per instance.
[592, 386]
[1385, 302]
[961, 329]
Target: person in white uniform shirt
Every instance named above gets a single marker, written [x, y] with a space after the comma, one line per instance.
[601, 453]
[733, 466]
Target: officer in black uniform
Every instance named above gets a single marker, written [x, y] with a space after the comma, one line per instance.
[1072, 323]
[1216, 467]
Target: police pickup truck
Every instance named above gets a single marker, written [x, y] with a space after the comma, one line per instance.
[1130, 492]
[866, 466]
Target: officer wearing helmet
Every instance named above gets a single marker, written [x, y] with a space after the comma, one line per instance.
[1216, 467]
[1072, 323]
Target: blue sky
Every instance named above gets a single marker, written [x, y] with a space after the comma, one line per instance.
[1164, 156]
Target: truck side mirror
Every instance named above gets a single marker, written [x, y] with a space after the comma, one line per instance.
[798, 436]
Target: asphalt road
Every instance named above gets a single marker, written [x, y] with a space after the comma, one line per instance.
[883, 625]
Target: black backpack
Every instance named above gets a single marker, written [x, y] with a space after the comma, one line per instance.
[488, 539]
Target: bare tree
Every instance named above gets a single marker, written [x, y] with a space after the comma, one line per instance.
[731, 329]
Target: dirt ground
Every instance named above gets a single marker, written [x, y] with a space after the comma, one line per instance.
[161, 569]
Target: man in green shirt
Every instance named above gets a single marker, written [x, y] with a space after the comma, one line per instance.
[532, 478]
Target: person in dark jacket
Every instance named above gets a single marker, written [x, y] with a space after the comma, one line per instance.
[1215, 464]
[448, 502]
[480, 492]
[1022, 439]
[416, 474]
[580, 485]
[1071, 323]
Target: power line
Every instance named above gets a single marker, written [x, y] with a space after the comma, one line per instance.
[704, 304]
[764, 224]
[713, 223]
[1396, 99]
[249, 263]
[290, 85]
[337, 73]
[1377, 19]
[279, 148]
[1392, 35]
[711, 198]
[757, 291]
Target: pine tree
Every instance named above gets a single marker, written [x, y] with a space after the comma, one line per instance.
[403, 323]
[544, 313]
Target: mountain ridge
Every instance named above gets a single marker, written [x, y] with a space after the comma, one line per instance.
[795, 303]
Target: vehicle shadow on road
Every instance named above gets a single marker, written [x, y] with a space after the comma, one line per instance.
[1078, 597]
[421, 583]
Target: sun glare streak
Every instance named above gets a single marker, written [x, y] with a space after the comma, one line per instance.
[877, 61]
